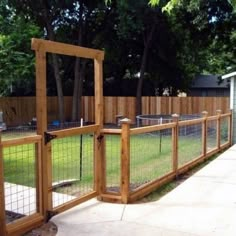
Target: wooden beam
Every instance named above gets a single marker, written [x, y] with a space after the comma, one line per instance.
[24, 225]
[99, 140]
[218, 133]
[204, 133]
[74, 202]
[152, 128]
[41, 115]
[66, 49]
[2, 194]
[175, 138]
[75, 131]
[151, 186]
[21, 141]
[125, 160]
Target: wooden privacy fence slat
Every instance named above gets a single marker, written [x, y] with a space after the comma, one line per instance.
[20, 110]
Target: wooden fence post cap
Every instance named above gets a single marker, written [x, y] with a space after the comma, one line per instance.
[204, 113]
[125, 121]
[175, 115]
[218, 112]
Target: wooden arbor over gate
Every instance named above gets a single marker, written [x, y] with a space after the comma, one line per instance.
[42, 47]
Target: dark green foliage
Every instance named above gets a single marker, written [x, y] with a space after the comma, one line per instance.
[194, 37]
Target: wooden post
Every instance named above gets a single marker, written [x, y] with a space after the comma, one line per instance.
[125, 160]
[38, 171]
[2, 195]
[41, 114]
[218, 135]
[175, 137]
[99, 147]
[230, 128]
[204, 133]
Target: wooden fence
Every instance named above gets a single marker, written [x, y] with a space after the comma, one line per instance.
[20, 110]
[207, 135]
[137, 173]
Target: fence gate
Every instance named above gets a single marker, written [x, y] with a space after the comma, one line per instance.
[71, 158]
[71, 177]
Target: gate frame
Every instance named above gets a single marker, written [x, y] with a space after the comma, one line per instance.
[42, 47]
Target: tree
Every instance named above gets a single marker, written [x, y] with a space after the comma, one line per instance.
[16, 58]
[48, 16]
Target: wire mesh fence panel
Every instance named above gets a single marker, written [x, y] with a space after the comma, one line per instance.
[20, 181]
[224, 130]
[211, 135]
[150, 157]
[72, 167]
[18, 132]
[113, 163]
[189, 143]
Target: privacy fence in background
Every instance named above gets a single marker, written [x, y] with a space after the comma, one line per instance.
[21, 110]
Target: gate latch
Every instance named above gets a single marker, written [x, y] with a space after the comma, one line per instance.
[48, 137]
[99, 138]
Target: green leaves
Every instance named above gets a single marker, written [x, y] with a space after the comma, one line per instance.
[154, 2]
[16, 57]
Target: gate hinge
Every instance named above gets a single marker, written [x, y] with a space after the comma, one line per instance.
[50, 214]
[48, 137]
[100, 138]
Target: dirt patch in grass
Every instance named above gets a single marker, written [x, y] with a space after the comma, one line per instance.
[48, 229]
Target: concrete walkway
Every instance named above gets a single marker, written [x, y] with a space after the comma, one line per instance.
[205, 204]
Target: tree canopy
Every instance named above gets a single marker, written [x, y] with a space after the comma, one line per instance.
[149, 45]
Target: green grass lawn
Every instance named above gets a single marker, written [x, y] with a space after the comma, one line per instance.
[150, 158]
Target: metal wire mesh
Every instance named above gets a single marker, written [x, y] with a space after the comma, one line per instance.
[73, 167]
[211, 135]
[150, 157]
[189, 143]
[18, 132]
[20, 181]
[113, 162]
[146, 120]
[224, 130]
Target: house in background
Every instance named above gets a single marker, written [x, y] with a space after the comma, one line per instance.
[209, 86]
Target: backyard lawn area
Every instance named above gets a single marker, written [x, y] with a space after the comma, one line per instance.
[72, 159]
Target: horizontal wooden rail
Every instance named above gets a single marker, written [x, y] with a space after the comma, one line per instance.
[66, 49]
[111, 131]
[74, 202]
[75, 131]
[190, 122]
[211, 118]
[152, 128]
[226, 115]
[25, 224]
[21, 141]
[148, 188]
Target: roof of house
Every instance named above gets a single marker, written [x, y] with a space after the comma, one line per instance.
[209, 81]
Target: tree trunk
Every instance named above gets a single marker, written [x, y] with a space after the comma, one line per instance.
[80, 91]
[147, 44]
[46, 16]
[76, 90]
[57, 76]
[78, 80]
